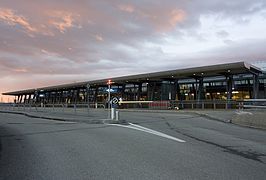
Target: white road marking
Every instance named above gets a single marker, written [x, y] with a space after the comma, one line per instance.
[147, 130]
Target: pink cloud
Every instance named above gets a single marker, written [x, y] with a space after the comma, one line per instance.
[168, 20]
[99, 37]
[176, 16]
[62, 20]
[20, 70]
[9, 17]
[127, 8]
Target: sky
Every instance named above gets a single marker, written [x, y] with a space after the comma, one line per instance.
[51, 42]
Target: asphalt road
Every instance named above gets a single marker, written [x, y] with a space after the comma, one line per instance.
[33, 148]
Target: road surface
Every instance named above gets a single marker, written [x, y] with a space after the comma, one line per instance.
[174, 146]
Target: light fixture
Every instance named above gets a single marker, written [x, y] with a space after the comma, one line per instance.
[235, 92]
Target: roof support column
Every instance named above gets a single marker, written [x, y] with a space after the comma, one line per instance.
[29, 97]
[200, 92]
[194, 90]
[200, 95]
[53, 97]
[256, 84]
[96, 94]
[61, 97]
[15, 100]
[87, 94]
[76, 96]
[48, 97]
[34, 97]
[56, 97]
[152, 85]
[134, 92]
[18, 99]
[249, 89]
[229, 89]
[25, 98]
[139, 91]
[123, 91]
[229, 86]
[176, 91]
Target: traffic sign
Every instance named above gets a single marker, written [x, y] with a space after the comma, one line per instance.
[115, 100]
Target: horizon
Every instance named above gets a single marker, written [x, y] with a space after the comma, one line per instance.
[47, 43]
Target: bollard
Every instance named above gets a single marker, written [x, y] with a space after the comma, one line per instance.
[112, 113]
[75, 108]
[117, 115]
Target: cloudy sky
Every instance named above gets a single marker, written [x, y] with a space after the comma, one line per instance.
[50, 42]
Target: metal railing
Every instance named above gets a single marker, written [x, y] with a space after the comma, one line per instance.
[37, 107]
[184, 104]
[253, 104]
[205, 104]
[160, 105]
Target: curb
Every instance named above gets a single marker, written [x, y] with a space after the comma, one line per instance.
[51, 118]
[179, 111]
[213, 118]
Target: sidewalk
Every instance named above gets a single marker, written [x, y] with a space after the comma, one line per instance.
[81, 115]
[218, 115]
[248, 118]
[99, 115]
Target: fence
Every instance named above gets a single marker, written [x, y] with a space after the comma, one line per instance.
[194, 104]
[163, 105]
[40, 107]
[253, 104]
[188, 104]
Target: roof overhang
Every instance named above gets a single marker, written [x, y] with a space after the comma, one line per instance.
[187, 73]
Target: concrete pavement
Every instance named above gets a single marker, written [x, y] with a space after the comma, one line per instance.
[36, 148]
[253, 118]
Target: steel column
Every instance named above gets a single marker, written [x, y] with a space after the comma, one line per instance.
[229, 86]
[256, 84]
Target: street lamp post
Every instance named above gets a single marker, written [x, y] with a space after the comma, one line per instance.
[88, 96]
[109, 98]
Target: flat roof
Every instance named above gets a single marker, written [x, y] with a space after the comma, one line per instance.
[187, 73]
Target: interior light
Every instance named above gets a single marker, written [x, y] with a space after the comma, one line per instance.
[235, 92]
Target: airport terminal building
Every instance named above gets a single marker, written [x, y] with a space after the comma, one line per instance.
[233, 81]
